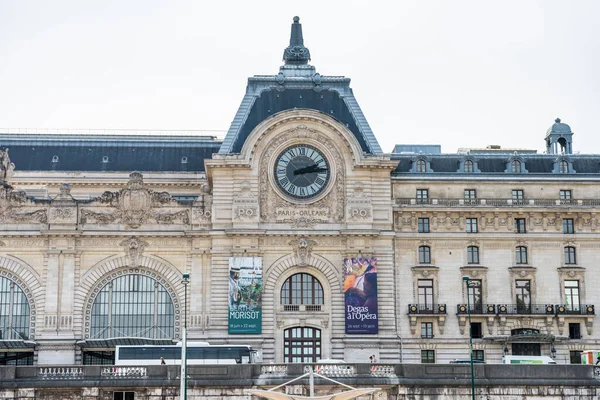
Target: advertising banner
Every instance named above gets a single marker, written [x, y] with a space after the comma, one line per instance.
[360, 294]
[245, 295]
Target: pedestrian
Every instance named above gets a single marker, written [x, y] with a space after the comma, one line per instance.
[374, 359]
[162, 361]
[598, 360]
[371, 359]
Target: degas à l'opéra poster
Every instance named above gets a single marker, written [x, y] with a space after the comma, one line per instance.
[360, 294]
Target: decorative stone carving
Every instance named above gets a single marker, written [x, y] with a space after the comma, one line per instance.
[12, 200]
[134, 248]
[245, 205]
[135, 206]
[302, 250]
[6, 166]
[359, 208]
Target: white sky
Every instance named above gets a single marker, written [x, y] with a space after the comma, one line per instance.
[455, 73]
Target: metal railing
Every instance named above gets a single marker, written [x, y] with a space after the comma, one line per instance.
[525, 309]
[492, 202]
[476, 309]
[301, 307]
[427, 308]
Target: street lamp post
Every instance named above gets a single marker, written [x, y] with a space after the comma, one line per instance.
[467, 282]
[183, 389]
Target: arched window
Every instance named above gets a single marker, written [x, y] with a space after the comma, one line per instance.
[521, 255]
[570, 257]
[134, 306]
[424, 255]
[421, 166]
[14, 321]
[472, 255]
[14, 311]
[563, 167]
[301, 345]
[469, 167]
[515, 166]
[302, 289]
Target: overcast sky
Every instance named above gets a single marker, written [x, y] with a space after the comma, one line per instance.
[455, 73]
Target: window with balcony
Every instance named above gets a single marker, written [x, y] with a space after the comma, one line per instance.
[422, 195]
[570, 257]
[520, 225]
[423, 225]
[475, 295]
[521, 255]
[470, 194]
[426, 330]
[568, 225]
[471, 225]
[472, 255]
[476, 330]
[518, 196]
[565, 195]
[302, 292]
[425, 293]
[523, 295]
[572, 295]
[427, 356]
[424, 255]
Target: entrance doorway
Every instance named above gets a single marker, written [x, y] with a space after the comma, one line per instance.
[526, 349]
[301, 345]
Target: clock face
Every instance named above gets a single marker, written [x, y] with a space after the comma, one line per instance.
[301, 171]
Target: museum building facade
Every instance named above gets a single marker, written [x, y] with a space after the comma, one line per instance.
[301, 237]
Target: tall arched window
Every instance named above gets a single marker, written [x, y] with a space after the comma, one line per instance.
[301, 345]
[424, 255]
[14, 321]
[14, 311]
[135, 306]
[570, 257]
[472, 255]
[516, 166]
[563, 167]
[302, 289]
[421, 166]
[521, 255]
[469, 167]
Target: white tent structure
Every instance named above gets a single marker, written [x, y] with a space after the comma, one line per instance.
[352, 393]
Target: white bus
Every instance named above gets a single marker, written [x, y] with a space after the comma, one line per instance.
[198, 353]
[527, 360]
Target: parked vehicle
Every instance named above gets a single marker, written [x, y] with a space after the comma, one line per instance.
[527, 360]
[590, 356]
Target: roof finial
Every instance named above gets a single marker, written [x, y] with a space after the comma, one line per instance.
[557, 120]
[296, 53]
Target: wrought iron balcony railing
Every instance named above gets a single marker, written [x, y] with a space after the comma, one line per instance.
[528, 309]
[454, 202]
[427, 309]
[476, 309]
[567, 309]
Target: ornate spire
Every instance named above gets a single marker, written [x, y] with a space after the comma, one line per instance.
[296, 53]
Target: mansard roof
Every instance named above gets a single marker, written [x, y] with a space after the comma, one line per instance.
[109, 153]
[298, 85]
[445, 164]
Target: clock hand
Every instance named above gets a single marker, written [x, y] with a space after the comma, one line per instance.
[305, 170]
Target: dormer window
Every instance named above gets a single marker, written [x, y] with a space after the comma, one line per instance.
[515, 166]
[421, 166]
[469, 166]
[54, 159]
[105, 159]
[184, 160]
[563, 165]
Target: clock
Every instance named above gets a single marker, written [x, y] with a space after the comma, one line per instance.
[301, 171]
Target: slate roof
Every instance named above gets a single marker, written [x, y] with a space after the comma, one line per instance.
[495, 163]
[298, 85]
[109, 153]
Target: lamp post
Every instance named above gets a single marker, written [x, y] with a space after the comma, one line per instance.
[183, 389]
[468, 282]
